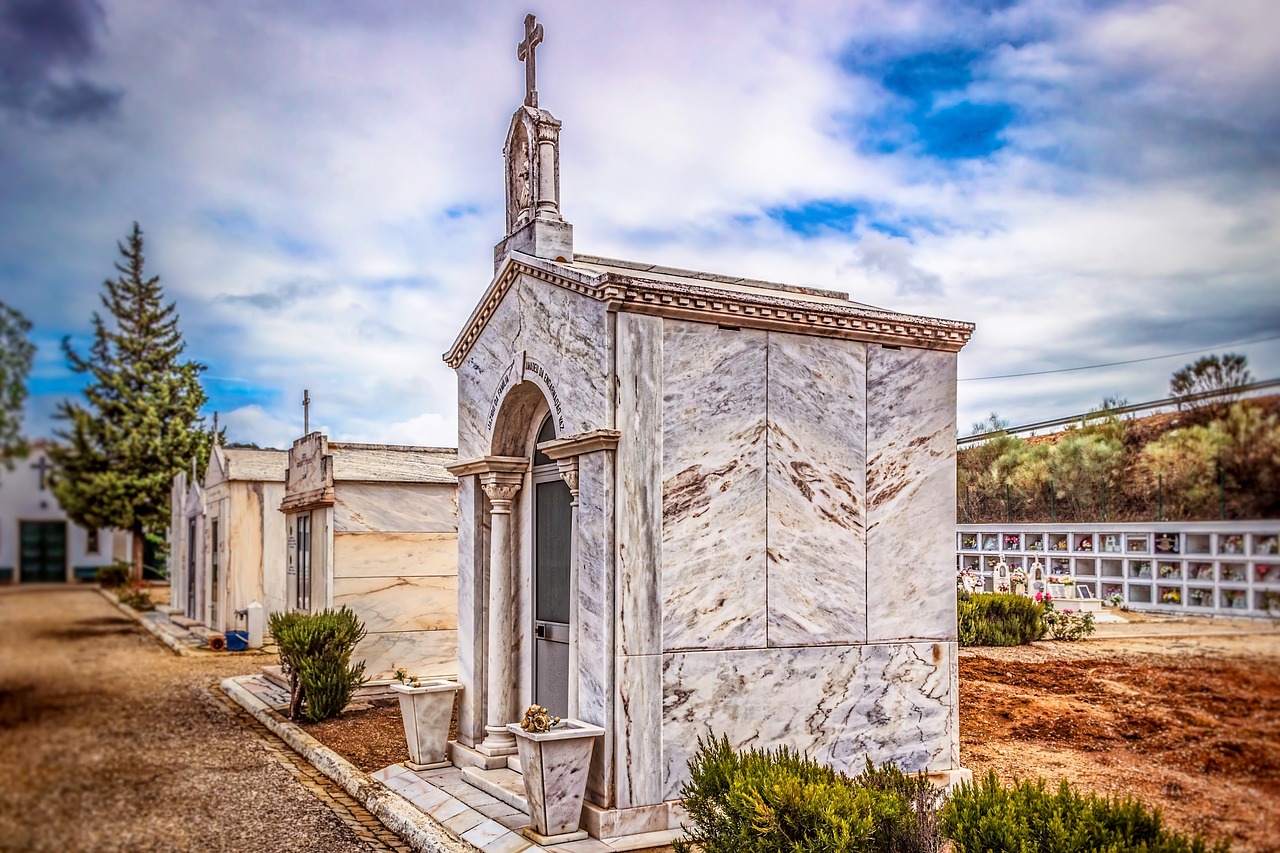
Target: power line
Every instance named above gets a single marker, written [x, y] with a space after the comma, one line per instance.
[1117, 363]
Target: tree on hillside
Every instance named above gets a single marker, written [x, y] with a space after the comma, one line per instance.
[991, 423]
[16, 355]
[140, 425]
[1207, 374]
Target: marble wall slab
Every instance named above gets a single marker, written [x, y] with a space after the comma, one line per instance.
[713, 491]
[639, 463]
[400, 508]
[911, 490]
[396, 554]
[428, 653]
[594, 623]
[638, 721]
[563, 332]
[840, 704]
[817, 581]
[400, 603]
[473, 595]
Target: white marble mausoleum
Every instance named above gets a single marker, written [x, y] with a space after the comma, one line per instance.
[689, 503]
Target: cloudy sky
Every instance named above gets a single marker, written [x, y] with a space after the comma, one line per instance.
[320, 184]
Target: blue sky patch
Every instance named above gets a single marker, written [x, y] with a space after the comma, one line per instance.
[243, 228]
[965, 130]
[817, 216]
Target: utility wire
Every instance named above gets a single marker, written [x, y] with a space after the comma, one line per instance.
[1117, 363]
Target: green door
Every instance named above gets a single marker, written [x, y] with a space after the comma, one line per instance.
[44, 551]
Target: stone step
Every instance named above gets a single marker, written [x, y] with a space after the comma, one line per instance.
[183, 621]
[501, 784]
[169, 610]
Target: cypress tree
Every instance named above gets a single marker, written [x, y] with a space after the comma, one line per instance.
[16, 354]
[140, 423]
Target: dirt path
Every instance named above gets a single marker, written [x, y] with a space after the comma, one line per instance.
[111, 742]
[1188, 721]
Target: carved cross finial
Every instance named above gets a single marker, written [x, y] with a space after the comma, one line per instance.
[215, 427]
[524, 52]
[43, 467]
[306, 412]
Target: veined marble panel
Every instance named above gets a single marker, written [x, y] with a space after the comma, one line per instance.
[473, 596]
[911, 492]
[713, 491]
[400, 604]
[396, 554]
[427, 653]
[639, 505]
[817, 491]
[840, 704]
[391, 508]
[639, 730]
[562, 331]
[594, 628]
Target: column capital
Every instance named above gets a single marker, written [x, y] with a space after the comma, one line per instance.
[486, 464]
[501, 487]
[569, 473]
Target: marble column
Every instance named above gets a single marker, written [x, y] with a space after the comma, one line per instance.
[500, 707]
[569, 472]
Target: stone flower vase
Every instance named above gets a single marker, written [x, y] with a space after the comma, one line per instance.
[555, 766]
[427, 710]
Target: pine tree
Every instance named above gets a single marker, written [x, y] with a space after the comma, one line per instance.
[16, 354]
[141, 425]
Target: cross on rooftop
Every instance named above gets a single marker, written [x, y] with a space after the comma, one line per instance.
[43, 467]
[524, 52]
[306, 412]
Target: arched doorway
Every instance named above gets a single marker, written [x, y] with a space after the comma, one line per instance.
[552, 526]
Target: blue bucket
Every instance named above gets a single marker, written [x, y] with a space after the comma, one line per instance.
[237, 641]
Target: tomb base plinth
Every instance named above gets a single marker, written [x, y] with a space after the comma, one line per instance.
[468, 756]
[550, 840]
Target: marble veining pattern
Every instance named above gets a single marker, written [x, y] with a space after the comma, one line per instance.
[594, 629]
[840, 704]
[427, 653]
[387, 508]
[400, 604]
[713, 492]
[472, 592]
[638, 720]
[396, 554]
[911, 430]
[639, 506]
[562, 331]
[816, 491]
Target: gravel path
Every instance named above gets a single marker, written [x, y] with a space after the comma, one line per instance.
[109, 741]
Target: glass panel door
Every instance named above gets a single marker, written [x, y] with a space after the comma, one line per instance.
[553, 530]
[302, 593]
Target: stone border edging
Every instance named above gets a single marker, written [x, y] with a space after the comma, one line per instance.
[167, 639]
[396, 813]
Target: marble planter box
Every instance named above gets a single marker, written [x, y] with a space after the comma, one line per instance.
[555, 766]
[426, 712]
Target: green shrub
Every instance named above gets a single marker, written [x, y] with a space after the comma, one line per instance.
[115, 575]
[1067, 624]
[767, 801]
[315, 652]
[998, 619]
[986, 817]
[137, 596]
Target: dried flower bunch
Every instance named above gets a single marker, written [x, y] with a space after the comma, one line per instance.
[538, 719]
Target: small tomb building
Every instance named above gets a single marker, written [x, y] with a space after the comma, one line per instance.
[374, 527]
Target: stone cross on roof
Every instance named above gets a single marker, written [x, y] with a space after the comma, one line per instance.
[524, 52]
[43, 467]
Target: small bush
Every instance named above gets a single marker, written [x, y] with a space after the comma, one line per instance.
[776, 801]
[115, 575]
[1068, 624]
[986, 817]
[998, 619]
[315, 652]
[137, 596]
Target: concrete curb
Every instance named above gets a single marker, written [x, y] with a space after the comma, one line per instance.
[168, 640]
[396, 813]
